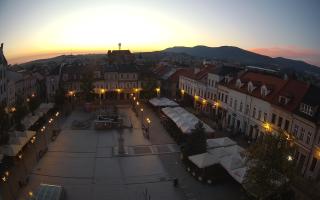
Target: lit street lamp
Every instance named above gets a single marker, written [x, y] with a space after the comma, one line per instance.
[142, 117]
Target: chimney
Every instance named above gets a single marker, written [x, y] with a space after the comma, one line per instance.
[1, 48]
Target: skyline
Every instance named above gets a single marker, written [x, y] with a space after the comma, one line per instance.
[34, 28]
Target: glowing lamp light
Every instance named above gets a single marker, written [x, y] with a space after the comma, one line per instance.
[182, 91]
[33, 95]
[158, 89]
[137, 103]
[134, 98]
[141, 109]
[4, 179]
[7, 173]
[28, 99]
[20, 156]
[196, 97]
[267, 126]
[118, 90]
[30, 194]
[148, 120]
[102, 91]
[136, 90]
[13, 109]
[204, 101]
[57, 114]
[290, 158]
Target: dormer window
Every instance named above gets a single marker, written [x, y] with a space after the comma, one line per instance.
[264, 91]
[283, 100]
[307, 109]
[238, 83]
[250, 87]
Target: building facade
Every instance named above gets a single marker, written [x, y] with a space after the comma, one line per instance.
[3, 76]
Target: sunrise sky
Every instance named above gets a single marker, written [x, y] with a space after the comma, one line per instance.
[34, 29]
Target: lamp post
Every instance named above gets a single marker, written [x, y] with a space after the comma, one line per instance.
[142, 117]
[182, 94]
[148, 127]
[158, 91]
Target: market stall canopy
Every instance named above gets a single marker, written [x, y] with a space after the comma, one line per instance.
[184, 120]
[220, 142]
[162, 102]
[30, 119]
[204, 160]
[232, 162]
[239, 174]
[12, 149]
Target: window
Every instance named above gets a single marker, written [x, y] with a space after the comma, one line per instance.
[301, 133]
[240, 108]
[254, 112]
[222, 96]
[308, 138]
[259, 115]
[265, 116]
[279, 121]
[226, 99]
[235, 104]
[273, 119]
[313, 164]
[231, 101]
[247, 109]
[306, 109]
[286, 125]
[295, 130]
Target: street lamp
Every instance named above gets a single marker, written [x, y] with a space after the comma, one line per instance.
[158, 91]
[142, 117]
[148, 127]
[182, 94]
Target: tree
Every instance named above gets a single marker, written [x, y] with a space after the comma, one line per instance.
[4, 125]
[197, 141]
[87, 87]
[34, 103]
[270, 166]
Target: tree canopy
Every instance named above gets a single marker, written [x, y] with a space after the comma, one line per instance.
[271, 165]
[197, 141]
[87, 87]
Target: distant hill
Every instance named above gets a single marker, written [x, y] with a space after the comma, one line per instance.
[235, 54]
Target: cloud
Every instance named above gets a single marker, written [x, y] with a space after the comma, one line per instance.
[308, 55]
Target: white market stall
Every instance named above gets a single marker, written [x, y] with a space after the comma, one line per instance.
[184, 120]
[162, 102]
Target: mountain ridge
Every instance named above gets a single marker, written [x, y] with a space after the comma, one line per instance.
[236, 54]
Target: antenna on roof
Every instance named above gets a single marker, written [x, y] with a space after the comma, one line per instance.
[119, 46]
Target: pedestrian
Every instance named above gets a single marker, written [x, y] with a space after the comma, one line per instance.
[175, 182]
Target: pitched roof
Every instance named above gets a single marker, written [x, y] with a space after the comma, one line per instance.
[294, 90]
[311, 98]
[180, 72]
[273, 84]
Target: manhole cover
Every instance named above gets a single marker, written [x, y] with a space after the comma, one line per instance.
[141, 150]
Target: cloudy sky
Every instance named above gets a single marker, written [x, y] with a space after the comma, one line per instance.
[37, 28]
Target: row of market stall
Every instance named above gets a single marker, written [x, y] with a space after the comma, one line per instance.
[18, 139]
[222, 153]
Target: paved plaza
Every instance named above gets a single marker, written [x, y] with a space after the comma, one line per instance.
[84, 162]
